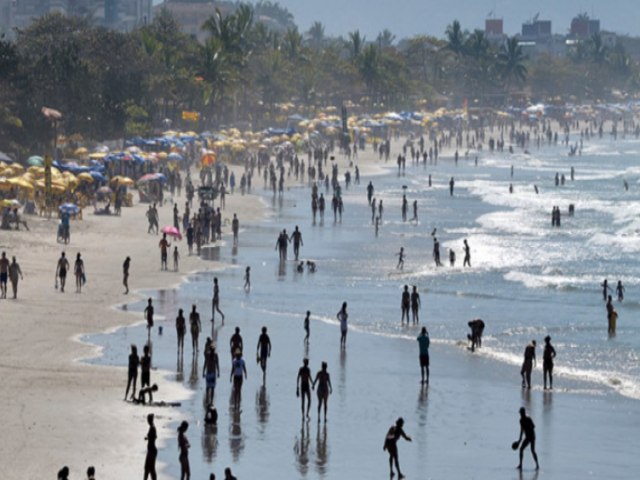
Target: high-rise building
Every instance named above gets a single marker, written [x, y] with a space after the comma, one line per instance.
[584, 27]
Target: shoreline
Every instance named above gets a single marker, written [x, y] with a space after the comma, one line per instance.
[65, 412]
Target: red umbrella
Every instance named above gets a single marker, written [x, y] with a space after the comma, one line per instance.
[172, 232]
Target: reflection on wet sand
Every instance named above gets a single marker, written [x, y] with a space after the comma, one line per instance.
[322, 450]
[194, 377]
[209, 442]
[236, 437]
[262, 405]
[301, 448]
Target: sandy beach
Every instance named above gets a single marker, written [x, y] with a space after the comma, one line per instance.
[57, 410]
[61, 411]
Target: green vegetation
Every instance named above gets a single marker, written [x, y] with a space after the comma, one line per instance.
[109, 84]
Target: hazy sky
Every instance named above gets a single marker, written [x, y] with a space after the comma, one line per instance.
[409, 17]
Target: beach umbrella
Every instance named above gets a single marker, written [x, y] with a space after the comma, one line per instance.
[97, 155]
[16, 167]
[104, 190]
[122, 181]
[97, 176]
[5, 157]
[174, 156]
[12, 203]
[21, 183]
[70, 208]
[85, 177]
[5, 184]
[172, 232]
[80, 152]
[35, 161]
[208, 159]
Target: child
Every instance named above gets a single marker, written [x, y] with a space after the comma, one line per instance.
[400, 255]
[176, 257]
[247, 279]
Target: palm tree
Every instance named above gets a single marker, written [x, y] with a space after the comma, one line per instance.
[597, 50]
[369, 68]
[477, 45]
[510, 62]
[385, 39]
[292, 43]
[455, 38]
[316, 35]
[356, 42]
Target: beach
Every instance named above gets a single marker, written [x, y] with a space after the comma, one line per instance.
[462, 424]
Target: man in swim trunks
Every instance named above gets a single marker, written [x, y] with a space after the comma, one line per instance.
[210, 370]
[303, 385]
[263, 352]
[423, 342]
[4, 274]
[61, 270]
[527, 428]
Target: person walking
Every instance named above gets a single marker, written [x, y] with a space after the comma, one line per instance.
[183, 447]
[342, 318]
[14, 273]
[152, 450]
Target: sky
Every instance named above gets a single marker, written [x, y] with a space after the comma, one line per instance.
[405, 18]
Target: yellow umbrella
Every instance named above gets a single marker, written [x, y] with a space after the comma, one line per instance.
[16, 167]
[162, 155]
[85, 177]
[5, 184]
[120, 180]
[81, 151]
[97, 155]
[21, 183]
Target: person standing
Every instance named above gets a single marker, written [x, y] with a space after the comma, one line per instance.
[451, 185]
[303, 385]
[125, 274]
[619, 290]
[164, 249]
[132, 374]
[400, 256]
[263, 352]
[306, 327]
[145, 367]
[183, 446]
[528, 364]
[323, 379]
[181, 330]
[548, 355]
[528, 430]
[235, 228]
[405, 304]
[415, 305]
[423, 343]
[14, 273]
[195, 327]
[152, 450]
[78, 270]
[436, 252]
[61, 271]
[391, 445]
[176, 258]
[467, 254]
[247, 280]
[342, 318]
[148, 315]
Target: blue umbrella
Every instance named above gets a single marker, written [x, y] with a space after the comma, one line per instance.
[70, 208]
[175, 156]
[97, 176]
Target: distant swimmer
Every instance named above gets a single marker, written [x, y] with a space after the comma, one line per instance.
[405, 208]
[620, 291]
[528, 364]
[423, 343]
[415, 211]
[391, 445]
[452, 258]
[467, 254]
[451, 185]
[527, 429]
[370, 190]
[400, 256]
[548, 355]
[605, 289]
[436, 252]
[405, 304]
[535, 188]
[626, 185]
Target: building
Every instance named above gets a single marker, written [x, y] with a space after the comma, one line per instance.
[583, 27]
[536, 29]
[191, 15]
[122, 15]
[537, 38]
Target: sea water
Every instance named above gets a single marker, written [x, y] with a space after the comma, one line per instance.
[527, 280]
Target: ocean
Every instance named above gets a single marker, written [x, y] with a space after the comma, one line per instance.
[527, 280]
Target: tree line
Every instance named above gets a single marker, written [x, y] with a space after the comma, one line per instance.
[109, 84]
